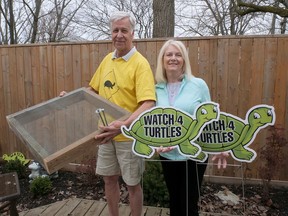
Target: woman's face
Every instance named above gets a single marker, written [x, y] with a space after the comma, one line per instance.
[173, 61]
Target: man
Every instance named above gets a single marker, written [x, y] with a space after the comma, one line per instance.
[125, 78]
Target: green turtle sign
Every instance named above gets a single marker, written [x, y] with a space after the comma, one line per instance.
[208, 131]
[230, 133]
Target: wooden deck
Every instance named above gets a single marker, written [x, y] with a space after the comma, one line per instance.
[82, 207]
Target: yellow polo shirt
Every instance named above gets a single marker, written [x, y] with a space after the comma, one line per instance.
[124, 81]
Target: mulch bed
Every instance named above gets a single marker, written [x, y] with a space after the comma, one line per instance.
[87, 186]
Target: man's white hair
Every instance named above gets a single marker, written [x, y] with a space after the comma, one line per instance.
[118, 15]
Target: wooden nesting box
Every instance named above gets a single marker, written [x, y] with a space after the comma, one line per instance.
[61, 129]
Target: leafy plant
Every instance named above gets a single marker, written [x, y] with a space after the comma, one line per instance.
[272, 155]
[15, 162]
[15, 166]
[16, 156]
[41, 186]
[154, 187]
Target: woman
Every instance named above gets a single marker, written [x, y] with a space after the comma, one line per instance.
[177, 87]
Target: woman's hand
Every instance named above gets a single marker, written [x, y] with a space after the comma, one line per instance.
[164, 149]
[221, 159]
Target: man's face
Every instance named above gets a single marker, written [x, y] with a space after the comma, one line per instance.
[122, 36]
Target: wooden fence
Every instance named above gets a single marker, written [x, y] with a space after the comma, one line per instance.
[240, 71]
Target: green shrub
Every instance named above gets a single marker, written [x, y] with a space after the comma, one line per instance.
[154, 186]
[15, 166]
[41, 186]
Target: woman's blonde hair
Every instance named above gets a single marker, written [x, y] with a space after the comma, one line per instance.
[160, 75]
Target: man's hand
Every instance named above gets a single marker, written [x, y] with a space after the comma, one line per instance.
[221, 159]
[114, 128]
[109, 132]
[62, 93]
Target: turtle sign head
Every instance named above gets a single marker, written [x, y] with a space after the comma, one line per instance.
[260, 116]
[207, 112]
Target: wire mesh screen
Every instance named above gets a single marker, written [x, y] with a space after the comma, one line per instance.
[54, 128]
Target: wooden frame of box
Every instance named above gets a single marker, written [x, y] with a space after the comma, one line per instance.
[61, 129]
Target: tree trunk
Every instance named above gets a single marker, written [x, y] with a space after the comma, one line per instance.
[283, 25]
[36, 20]
[273, 23]
[164, 18]
[11, 23]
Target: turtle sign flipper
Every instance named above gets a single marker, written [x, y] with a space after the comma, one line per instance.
[125, 131]
[142, 149]
[201, 157]
[242, 153]
[187, 149]
[139, 147]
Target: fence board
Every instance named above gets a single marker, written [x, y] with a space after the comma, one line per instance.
[240, 71]
[281, 89]
[269, 74]
[192, 46]
[28, 77]
[270, 63]
[20, 79]
[68, 68]
[284, 41]
[213, 68]
[35, 69]
[19, 86]
[3, 124]
[221, 74]
[283, 175]
[12, 77]
[255, 93]
[94, 52]
[281, 80]
[43, 73]
[76, 67]
[59, 68]
[151, 47]
[204, 61]
[141, 46]
[7, 93]
[104, 49]
[257, 68]
[51, 72]
[244, 76]
[233, 76]
[159, 44]
[85, 70]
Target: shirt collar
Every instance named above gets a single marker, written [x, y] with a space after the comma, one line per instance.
[163, 85]
[127, 56]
